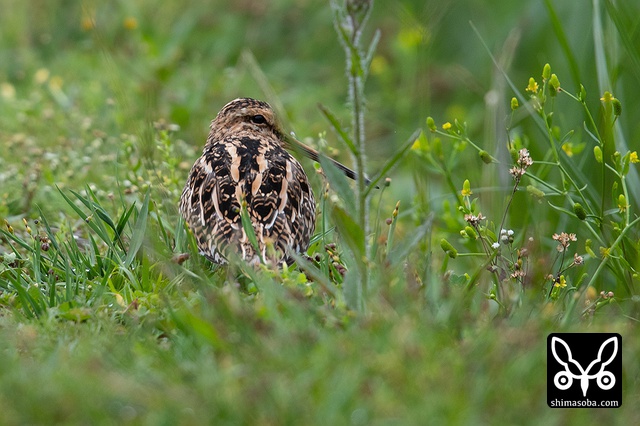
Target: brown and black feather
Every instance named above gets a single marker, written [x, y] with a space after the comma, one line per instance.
[244, 162]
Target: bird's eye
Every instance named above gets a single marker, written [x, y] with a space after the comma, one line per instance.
[258, 119]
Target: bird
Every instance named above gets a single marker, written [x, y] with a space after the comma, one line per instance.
[245, 168]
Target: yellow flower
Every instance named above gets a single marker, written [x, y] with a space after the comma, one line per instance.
[568, 149]
[562, 282]
[622, 203]
[55, 83]
[466, 188]
[633, 157]
[409, 38]
[421, 143]
[88, 23]
[533, 86]
[591, 293]
[130, 23]
[446, 126]
[607, 97]
[41, 75]
[120, 300]
[379, 65]
[7, 91]
[554, 84]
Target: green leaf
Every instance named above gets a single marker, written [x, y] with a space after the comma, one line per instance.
[138, 230]
[563, 210]
[19, 241]
[50, 234]
[350, 231]
[353, 291]
[388, 165]
[338, 129]
[402, 251]
[370, 52]
[314, 273]
[624, 32]
[89, 221]
[558, 28]
[124, 219]
[95, 207]
[247, 225]
[338, 182]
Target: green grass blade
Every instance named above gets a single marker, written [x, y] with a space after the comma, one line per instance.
[95, 208]
[17, 240]
[558, 29]
[124, 219]
[315, 274]
[335, 124]
[69, 293]
[403, 249]
[155, 214]
[352, 234]
[338, 182]
[371, 52]
[617, 16]
[30, 307]
[247, 225]
[47, 227]
[89, 221]
[138, 230]
[391, 162]
[96, 255]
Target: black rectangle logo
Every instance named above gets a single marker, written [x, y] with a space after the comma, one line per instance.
[584, 370]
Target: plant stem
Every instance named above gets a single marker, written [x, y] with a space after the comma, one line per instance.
[599, 269]
[350, 19]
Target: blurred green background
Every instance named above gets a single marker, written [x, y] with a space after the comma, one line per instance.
[118, 62]
[77, 70]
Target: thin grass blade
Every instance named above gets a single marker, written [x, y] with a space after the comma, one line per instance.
[138, 231]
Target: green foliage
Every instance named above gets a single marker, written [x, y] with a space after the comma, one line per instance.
[430, 288]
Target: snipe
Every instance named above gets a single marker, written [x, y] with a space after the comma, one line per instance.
[244, 165]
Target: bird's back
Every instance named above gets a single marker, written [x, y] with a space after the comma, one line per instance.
[255, 172]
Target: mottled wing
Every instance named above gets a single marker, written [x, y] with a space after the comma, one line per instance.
[209, 205]
[274, 187]
[283, 208]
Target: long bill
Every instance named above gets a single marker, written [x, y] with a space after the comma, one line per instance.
[295, 145]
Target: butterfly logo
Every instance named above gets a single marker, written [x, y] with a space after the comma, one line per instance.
[564, 379]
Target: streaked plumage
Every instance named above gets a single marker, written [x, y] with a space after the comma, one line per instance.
[244, 161]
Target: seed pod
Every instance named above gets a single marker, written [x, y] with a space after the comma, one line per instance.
[579, 211]
[554, 85]
[431, 124]
[582, 96]
[617, 107]
[597, 153]
[448, 248]
[546, 71]
[486, 157]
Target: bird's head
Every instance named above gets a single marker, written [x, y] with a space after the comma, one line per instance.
[246, 114]
[251, 115]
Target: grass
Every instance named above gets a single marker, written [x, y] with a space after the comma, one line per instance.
[411, 307]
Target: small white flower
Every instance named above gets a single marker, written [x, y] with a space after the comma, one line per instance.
[495, 245]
